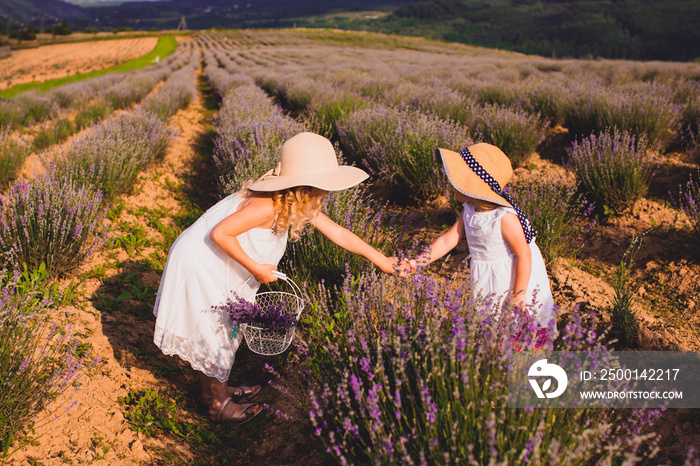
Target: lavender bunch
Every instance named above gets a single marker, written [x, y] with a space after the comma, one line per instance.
[52, 132]
[13, 151]
[690, 134]
[51, 221]
[398, 146]
[11, 114]
[690, 203]
[516, 132]
[176, 93]
[129, 91]
[32, 107]
[548, 98]
[250, 132]
[613, 167]
[324, 103]
[75, 95]
[645, 111]
[416, 373]
[447, 103]
[93, 111]
[558, 213]
[38, 360]
[276, 316]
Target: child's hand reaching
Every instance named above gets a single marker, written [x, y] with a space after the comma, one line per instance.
[421, 260]
[404, 267]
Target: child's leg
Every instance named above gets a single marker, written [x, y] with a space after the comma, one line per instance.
[206, 388]
[235, 392]
[223, 409]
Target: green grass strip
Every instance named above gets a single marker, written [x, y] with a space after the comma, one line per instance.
[166, 45]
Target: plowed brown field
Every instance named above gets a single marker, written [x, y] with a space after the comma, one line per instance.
[60, 60]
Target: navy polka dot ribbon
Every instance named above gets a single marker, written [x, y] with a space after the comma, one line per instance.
[476, 167]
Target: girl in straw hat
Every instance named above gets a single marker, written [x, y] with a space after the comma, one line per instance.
[233, 248]
[505, 261]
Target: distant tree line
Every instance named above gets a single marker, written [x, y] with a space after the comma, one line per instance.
[633, 29]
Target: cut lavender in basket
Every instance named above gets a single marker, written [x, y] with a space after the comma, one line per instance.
[275, 316]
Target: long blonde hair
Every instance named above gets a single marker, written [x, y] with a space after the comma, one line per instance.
[295, 208]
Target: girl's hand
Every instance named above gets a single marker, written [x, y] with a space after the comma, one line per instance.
[405, 267]
[263, 273]
[387, 264]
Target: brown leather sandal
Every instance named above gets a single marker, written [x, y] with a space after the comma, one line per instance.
[229, 411]
[244, 391]
[236, 392]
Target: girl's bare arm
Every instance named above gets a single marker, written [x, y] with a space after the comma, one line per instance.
[513, 233]
[445, 242]
[349, 241]
[256, 212]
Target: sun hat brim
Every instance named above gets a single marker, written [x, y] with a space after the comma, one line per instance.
[464, 180]
[335, 179]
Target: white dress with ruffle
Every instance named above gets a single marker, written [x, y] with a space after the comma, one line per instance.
[197, 276]
[492, 265]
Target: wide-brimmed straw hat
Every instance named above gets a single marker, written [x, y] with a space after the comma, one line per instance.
[467, 182]
[309, 159]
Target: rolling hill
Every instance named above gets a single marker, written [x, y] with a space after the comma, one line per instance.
[625, 29]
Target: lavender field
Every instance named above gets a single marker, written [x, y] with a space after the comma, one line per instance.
[101, 176]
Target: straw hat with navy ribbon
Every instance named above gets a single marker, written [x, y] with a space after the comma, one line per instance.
[482, 171]
[309, 159]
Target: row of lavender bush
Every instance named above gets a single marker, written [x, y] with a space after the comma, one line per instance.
[396, 144]
[38, 360]
[109, 156]
[415, 372]
[116, 90]
[55, 111]
[49, 226]
[375, 104]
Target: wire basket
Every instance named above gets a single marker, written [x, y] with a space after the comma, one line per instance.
[266, 342]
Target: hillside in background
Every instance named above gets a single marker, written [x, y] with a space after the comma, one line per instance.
[233, 14]
[33, 10]
[629, 29]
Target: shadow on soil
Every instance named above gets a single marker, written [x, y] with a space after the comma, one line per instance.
[282, 434]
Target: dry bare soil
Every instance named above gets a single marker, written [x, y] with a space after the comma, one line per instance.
[60, 60]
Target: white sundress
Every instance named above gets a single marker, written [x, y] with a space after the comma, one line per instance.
[199, 275]
[492, 265]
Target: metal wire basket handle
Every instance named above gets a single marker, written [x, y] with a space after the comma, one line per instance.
[296, 291]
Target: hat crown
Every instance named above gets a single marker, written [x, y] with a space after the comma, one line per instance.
[494, 161]
[305, 154]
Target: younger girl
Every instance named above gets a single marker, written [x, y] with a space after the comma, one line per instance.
[505, 261]
[233, 248]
